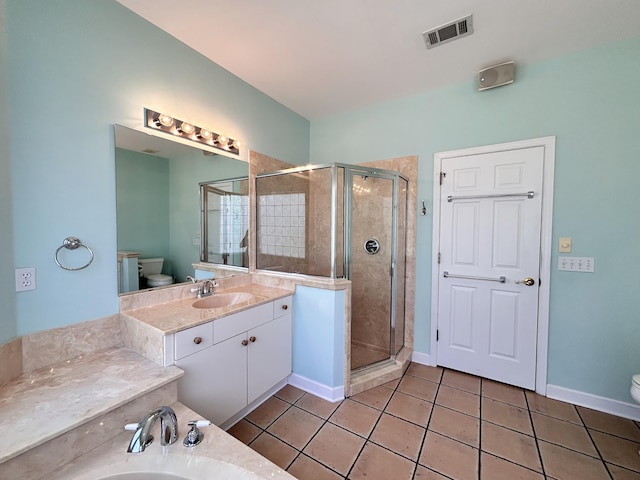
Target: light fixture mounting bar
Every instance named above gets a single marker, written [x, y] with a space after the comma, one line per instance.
[182, 129]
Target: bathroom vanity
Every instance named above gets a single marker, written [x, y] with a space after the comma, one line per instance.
[231, 362]
[234, 355]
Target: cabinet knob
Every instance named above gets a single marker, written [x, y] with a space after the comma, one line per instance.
[197, 340]
[284, 307]
[245, 343]
[252, 339]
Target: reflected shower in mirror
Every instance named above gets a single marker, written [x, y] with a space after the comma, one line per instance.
[158, 205]
[225, 222]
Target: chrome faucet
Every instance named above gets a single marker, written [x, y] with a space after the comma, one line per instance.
[168, 429]
[207, 288]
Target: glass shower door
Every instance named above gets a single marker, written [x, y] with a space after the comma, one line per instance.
[371, 203]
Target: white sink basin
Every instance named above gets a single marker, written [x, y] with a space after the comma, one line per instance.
[145, 466]
[221, 300]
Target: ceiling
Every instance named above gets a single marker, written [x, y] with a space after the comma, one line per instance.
[324, 57]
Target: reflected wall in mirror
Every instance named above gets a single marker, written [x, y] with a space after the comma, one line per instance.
[225, 222]
[158, 204]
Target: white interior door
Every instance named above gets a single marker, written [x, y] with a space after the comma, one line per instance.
[489, 270]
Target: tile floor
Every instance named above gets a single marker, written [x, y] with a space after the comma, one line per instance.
[437, 424]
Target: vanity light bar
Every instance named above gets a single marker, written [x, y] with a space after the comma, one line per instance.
[179, 128]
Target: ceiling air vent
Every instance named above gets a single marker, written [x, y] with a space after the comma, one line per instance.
[450, 31]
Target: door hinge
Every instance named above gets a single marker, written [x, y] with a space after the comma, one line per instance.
[437, 335]
[439, 257]
[442, 175]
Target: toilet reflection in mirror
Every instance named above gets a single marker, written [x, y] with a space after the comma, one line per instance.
[158, 209]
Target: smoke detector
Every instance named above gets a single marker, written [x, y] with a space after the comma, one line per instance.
[448, 32]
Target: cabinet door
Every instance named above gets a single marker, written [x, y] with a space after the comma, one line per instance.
[215, 380]
[228, 369]
[270, 355]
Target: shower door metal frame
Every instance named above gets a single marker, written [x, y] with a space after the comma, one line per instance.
[350, 172]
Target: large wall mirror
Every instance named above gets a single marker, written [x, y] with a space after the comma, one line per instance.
[158, 201]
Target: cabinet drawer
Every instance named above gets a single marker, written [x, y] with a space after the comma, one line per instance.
[232, 325]
[193, 340]
[282, 306]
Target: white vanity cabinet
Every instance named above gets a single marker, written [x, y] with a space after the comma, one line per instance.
[250, 352]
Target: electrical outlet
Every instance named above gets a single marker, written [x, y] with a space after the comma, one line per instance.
[25, 279]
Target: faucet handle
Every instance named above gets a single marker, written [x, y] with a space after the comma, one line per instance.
[131, 426]
[195, 436]
[199, 423]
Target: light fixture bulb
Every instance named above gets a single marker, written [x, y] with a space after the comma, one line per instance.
[205, 134]
[186, 128]
[163, 120]
[236, 144]
[222, 141]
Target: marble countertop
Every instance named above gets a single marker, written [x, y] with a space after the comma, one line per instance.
[171, 317]
[112, 457]
[50, 401]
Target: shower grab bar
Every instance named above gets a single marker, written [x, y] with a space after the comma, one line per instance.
[528, 194]
[501, 279]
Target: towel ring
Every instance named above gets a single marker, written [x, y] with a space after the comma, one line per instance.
[71, 243]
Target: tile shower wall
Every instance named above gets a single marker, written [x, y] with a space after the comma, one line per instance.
[234, 224]
[283, 219]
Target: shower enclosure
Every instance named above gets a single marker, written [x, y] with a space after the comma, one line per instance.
[342, 221]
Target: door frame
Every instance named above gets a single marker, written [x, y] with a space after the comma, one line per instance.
[546, 249]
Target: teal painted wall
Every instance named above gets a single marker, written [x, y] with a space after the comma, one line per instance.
[589, 100]
[142, 198]
[185, 204]
[7, 285]
[318, 335]
[158, 204]
[74, 69]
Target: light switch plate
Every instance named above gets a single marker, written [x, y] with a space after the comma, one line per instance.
[564, 245]
[576, 264]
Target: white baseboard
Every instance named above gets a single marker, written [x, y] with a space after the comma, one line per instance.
[602, 404]
[422, 358]
[331, 394]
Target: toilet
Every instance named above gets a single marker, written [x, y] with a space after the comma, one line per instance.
[151, 269]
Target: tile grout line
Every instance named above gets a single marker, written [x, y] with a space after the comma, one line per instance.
[594, 443]
[300, 452]
[426, 427]
[480, 430]
[535, 436]
[367, 439]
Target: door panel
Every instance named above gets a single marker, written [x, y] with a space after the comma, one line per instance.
[490, 230]
[463, 305]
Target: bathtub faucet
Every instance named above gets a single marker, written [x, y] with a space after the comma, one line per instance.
[168, 429]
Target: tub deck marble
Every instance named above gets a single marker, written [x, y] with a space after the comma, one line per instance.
[217, 444]
[171, 317]
[50, 401]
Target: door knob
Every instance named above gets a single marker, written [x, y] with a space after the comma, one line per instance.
[527, 281]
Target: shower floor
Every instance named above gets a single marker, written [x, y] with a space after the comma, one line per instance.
[363, 355]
